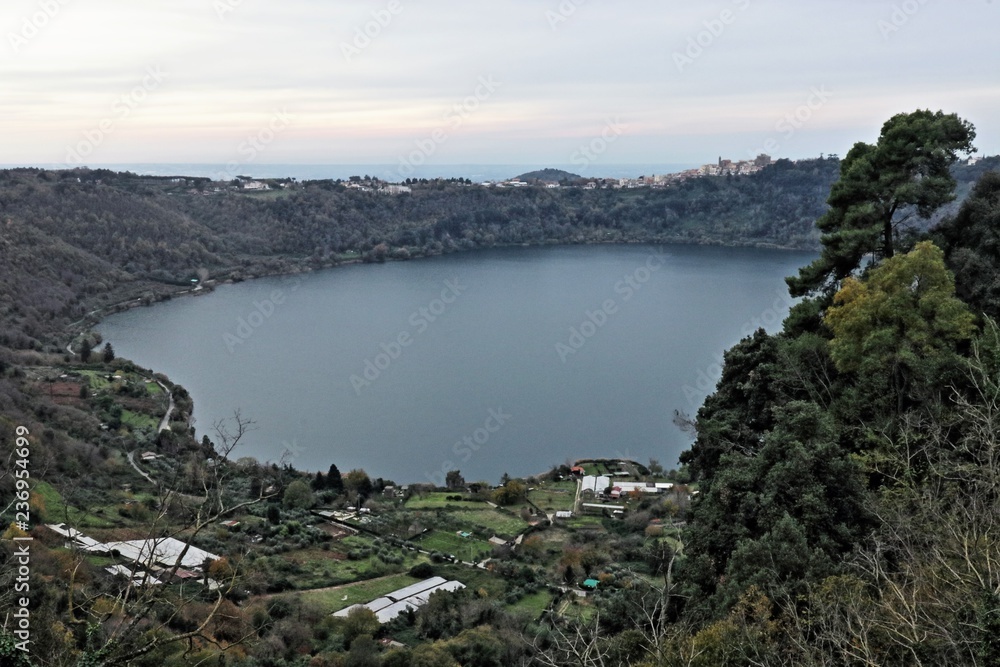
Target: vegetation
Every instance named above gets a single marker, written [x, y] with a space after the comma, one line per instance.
[838, 505]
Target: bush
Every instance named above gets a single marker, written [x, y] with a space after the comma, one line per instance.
[422, 571]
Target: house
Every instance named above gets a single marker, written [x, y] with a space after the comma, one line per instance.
[564, 514]
[149, 456]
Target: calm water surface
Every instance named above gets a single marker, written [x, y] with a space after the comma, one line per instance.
[507, 360]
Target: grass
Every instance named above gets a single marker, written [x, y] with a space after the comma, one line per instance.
[475, 578]
[154, 389]
[57, 511]
[585, 520]
[533, 604]
[137, 420]
[494, 521]
[358, 593]
[316, 568]
[449, 543]
[434, 500]
[95, 379]
[553, 496]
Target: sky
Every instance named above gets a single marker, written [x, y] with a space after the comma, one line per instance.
[581, 82]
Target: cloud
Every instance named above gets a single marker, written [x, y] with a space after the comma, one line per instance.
[561, 82]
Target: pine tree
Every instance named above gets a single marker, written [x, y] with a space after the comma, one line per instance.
[334, 481]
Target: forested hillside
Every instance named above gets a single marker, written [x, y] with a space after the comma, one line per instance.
[838, 506]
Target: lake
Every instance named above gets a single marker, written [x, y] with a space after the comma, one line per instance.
[505, 360]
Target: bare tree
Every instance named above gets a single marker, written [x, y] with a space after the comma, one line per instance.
[134, 624]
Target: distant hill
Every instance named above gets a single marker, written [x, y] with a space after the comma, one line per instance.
[549, 175]
[76, 241]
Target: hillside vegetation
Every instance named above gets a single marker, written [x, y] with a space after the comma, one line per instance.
[839, 504]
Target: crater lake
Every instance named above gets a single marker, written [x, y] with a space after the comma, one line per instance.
[503, 360]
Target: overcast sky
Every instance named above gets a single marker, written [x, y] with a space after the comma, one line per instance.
[511, 81]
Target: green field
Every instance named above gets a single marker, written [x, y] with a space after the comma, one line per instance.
[435, 500]
[95, 379]
[462, 547]
[492, 521]
[56, 510]
[137, 420]
[154, 389]
[533, 604]
[316, 568]
[359, 593]
[552, 496]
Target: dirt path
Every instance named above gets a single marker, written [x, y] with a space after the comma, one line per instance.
[165, 422]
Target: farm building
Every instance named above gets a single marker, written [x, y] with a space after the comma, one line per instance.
[414, 596]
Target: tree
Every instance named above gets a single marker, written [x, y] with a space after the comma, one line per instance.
[334, 481]
[273, 514]
[737, 415]
[901, 324]
[360, 621]
[971, 243]
[133, 627]
[776, 517]
[298, 496]
[357, 480]
[454, 480]
[108, 353]
[363, 653]
[511, 493]
[86, 349]
[319, 482]
[881, 186]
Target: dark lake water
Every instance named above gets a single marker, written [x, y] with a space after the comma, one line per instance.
[507, 360]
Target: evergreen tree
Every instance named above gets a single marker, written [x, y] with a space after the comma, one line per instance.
[334, 481]
[880, 188]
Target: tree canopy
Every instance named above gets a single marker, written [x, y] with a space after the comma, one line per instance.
[881, 187]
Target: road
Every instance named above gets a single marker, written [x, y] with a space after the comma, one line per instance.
[131, 460]
[165, 422]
